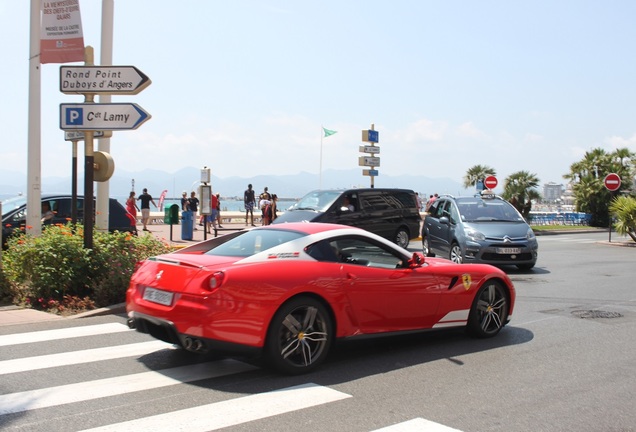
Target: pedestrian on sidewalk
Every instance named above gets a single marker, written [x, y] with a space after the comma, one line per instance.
[193, 206]
[249, 199]
[145, 199]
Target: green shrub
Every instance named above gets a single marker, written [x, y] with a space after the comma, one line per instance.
[55, 272]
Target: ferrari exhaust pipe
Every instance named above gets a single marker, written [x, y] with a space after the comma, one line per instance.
[187, 343]
[197, 345]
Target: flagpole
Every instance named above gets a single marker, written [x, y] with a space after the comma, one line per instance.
[320, 170]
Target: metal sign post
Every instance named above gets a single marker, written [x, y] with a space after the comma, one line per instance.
[373, 137]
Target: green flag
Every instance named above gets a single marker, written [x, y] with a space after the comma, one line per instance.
[329, 132]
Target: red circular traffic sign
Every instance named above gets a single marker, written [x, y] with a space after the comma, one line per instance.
[491, 182]
[612, 181]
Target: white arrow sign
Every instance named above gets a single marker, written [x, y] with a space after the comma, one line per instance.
[102, 79]
[91, 116]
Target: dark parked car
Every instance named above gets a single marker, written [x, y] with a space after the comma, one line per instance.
[389, 213]
[480, 229]
[14, 213]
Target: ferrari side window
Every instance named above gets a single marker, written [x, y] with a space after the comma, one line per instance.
[358, 251]
[322, 251]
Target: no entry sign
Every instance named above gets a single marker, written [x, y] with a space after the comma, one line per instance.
[491, 182]
[612, 181]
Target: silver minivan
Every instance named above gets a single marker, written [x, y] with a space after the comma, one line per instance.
[480, 229]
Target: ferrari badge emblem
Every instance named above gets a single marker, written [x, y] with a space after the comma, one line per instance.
[466, 281]
[159, 275]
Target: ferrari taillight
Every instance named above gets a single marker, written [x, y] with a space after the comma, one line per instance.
[215, 280]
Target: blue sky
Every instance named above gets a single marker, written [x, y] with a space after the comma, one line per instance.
[244, 86]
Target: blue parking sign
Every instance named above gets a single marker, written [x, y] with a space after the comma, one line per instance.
[74, 116]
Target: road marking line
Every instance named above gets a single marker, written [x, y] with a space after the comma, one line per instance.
[89, 390]
[78, 357]
[49, 335]
[417, 424]
[233, 411]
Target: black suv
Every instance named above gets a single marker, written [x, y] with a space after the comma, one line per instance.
[479, 229]
[389, 213]
[14, 214]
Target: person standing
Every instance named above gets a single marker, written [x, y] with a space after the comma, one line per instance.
[218, 210]
[211, 221]
[193, 206]
[184, 201]
[145, 199]
[131, 208]
[249, 199]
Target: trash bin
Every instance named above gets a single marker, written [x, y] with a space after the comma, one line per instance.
[171, 215]
[187, 225]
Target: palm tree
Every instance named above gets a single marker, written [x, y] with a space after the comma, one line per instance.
[520, 190]
[477, 172]
[624, 208]
[587, 176]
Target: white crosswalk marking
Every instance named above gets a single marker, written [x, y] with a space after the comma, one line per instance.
[79, 357]
[205, 417]
[232, 412]
[49, 335]
[53, 396]
[419, 425]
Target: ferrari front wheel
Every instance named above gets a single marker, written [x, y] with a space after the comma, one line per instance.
[299, 336]
[489, 311]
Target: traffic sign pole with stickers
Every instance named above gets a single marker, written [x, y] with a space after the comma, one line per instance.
[372, 137]
[89, 117]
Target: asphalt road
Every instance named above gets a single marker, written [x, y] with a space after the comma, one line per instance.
[565, 363]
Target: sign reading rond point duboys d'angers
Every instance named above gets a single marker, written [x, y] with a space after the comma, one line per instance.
[61, 37]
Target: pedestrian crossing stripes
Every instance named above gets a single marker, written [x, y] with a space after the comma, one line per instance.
[49, 335]
[200, 417]
[234, 411]
[79, 357]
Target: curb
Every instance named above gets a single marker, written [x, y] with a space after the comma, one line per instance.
[119, 308]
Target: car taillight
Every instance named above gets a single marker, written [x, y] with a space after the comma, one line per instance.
[215, 280]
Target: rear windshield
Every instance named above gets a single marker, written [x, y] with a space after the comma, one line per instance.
[253, 242]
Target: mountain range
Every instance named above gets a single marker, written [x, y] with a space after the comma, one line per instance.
[285, 186]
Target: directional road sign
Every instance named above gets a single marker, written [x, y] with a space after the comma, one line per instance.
[369, 161]
[369, 149]
[371, 172]
[612, 181]
[491, 182]
[118, 80]
[109, 116]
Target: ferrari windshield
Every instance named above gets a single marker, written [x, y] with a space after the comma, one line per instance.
[317, 200]
[483, 210]
[253, 242]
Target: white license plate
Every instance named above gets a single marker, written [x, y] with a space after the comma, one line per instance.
[508, 251]
[158, 296]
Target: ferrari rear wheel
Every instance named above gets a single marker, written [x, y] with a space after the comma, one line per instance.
[456, 254]
[299, 336]
[489, 312]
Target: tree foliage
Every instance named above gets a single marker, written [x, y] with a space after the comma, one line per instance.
[477, 172]
[623, 208]
[520, 190]
[587, 175]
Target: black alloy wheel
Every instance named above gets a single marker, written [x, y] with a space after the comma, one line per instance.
[299, 336]
[489, 311]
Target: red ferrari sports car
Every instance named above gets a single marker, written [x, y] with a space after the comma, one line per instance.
[288, 291]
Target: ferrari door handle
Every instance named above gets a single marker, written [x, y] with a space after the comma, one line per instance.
[351, 276]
